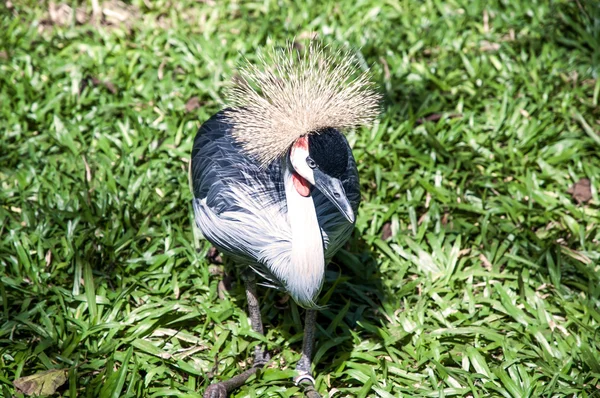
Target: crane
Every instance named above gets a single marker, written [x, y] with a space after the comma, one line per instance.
[275, 183]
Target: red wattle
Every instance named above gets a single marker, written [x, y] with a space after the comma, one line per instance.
[301, 185]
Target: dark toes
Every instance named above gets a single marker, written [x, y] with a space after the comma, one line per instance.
[310, 392]
[261, 359]
[307, 383]
[215, 391]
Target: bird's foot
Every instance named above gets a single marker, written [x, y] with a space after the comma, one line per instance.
[216, 391]
[305, 381]
[261, 357]
[222, 389]
[310, 392]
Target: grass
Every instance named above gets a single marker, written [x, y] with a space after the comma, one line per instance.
[472, 270]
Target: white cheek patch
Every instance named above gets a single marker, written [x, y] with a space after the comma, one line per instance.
[298, 157]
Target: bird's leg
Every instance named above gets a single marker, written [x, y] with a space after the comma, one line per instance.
[304, 377]
[261, 357]
[222, 389]
[303, 366]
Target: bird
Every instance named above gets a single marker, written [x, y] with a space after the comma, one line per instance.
[275, 184]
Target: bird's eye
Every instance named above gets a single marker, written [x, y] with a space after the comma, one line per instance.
[311, 163]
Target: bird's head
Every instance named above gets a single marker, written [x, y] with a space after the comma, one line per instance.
[320, 160]
[295, 103]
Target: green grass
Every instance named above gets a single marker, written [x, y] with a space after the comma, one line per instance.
[489, 284]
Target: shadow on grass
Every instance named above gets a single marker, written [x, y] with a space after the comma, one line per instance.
[352, 294]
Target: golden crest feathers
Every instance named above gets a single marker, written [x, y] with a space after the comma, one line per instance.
[289, 94]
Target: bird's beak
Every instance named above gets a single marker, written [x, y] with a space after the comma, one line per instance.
[333, 189]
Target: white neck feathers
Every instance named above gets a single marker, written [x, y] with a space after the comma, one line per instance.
[307, 261]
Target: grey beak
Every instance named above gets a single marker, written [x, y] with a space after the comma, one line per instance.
[333, 189]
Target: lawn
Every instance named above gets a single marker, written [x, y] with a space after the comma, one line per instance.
[474, 268]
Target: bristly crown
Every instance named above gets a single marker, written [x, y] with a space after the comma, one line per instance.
[290, 93]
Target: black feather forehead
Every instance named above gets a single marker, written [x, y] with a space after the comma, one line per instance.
[329, 149]
[288, 94]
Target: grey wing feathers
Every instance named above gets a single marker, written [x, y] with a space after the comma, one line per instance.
[241, 207]
[218, 162]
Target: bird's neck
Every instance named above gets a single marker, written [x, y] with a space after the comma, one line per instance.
[307, 258]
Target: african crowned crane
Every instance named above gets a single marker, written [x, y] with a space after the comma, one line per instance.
[274, 181]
